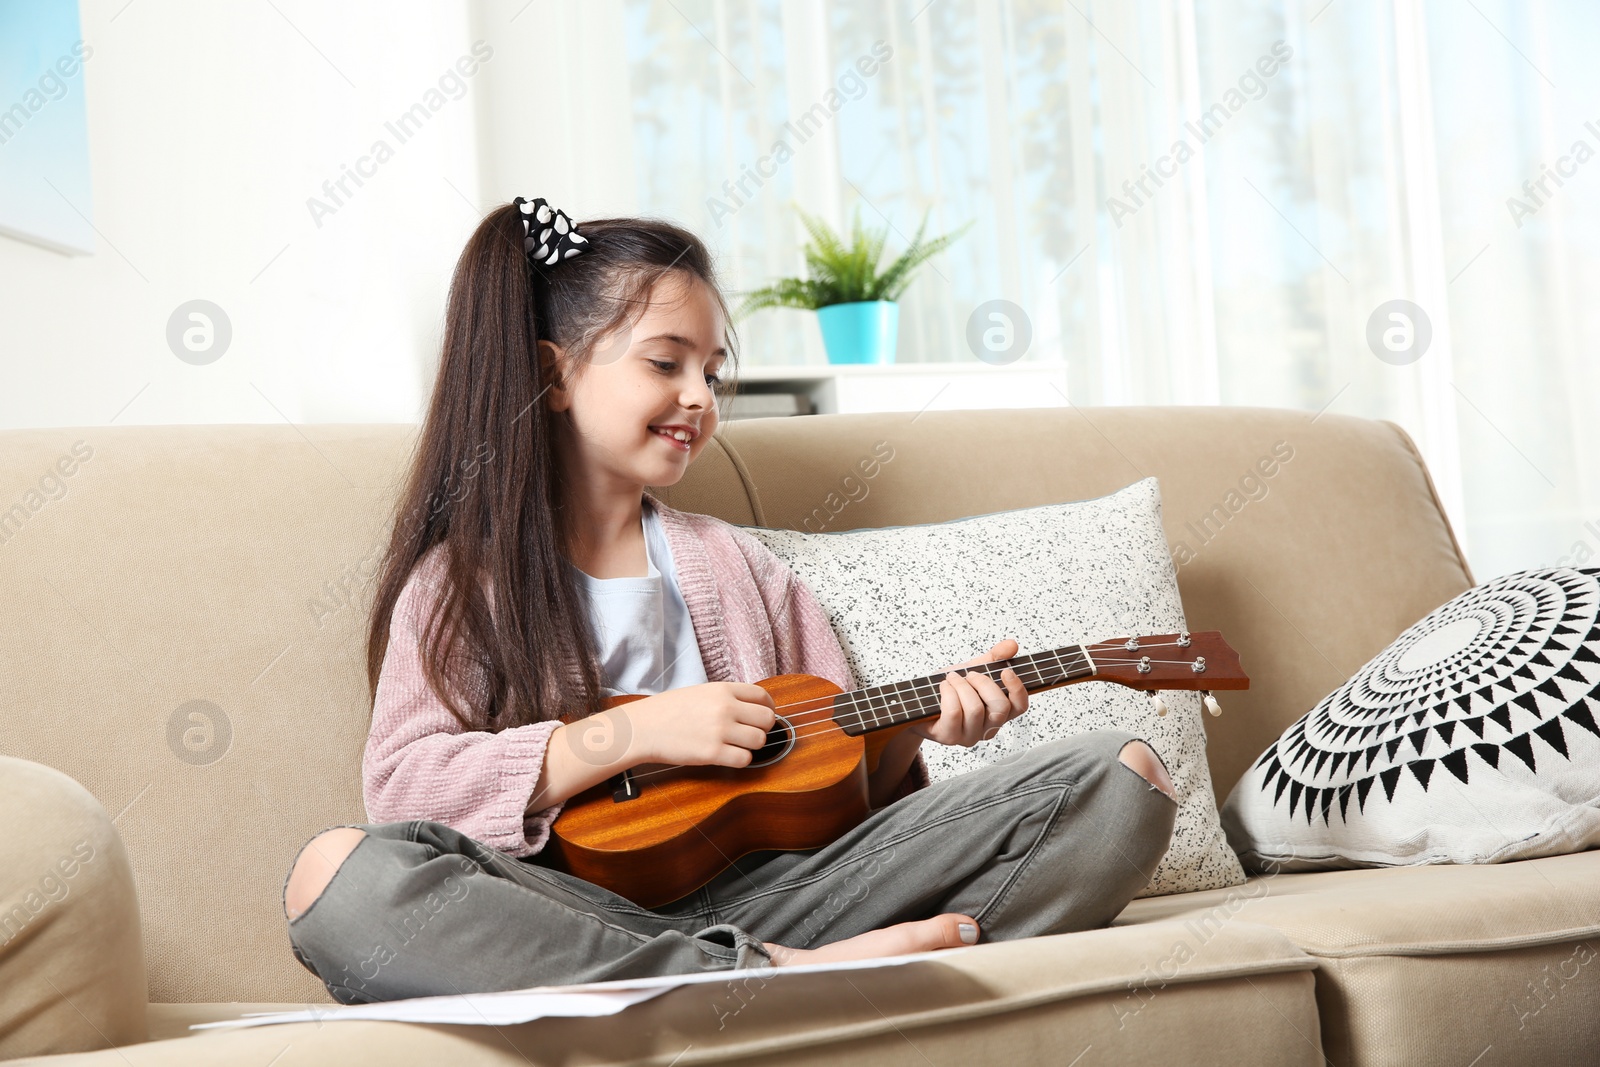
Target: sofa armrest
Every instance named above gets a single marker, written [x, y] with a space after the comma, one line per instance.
[71, 953]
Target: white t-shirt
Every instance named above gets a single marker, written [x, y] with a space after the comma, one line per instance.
[641, 625]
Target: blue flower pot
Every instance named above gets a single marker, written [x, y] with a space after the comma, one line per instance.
[862, 332]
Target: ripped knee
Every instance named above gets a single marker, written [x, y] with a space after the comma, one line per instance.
[1144, 761]
[315, 867]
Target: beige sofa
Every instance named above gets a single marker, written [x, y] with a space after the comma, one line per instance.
[183, 636]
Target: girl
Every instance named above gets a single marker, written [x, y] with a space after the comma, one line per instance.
[530, 575]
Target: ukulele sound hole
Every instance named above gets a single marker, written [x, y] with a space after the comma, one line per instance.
[780, 739]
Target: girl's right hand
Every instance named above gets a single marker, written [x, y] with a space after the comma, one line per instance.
[712, 724]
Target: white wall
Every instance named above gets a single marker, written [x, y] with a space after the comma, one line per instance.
[561, 74]
[210, 126]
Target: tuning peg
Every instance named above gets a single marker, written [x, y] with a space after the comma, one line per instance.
[1157, 703]
[1210, 702]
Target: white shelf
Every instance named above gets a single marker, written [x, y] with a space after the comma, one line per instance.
[850, 388]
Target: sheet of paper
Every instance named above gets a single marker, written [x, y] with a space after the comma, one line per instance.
[542, 1002]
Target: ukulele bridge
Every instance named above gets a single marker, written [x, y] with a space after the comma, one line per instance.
[623, 787]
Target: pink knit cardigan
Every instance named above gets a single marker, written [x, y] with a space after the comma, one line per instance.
[753, 618]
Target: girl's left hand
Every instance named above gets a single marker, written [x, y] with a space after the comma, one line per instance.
[972, 707]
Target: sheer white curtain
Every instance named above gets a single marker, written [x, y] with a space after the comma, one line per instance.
[1192, 201]
[1383, 167]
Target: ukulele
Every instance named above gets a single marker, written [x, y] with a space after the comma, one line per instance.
[656, 832]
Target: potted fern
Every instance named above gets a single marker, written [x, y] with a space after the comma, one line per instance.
[855, 303]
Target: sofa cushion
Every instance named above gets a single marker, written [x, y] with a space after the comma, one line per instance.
[1472, 738]
[1129, 995]
[1506, 952]
[906, 601]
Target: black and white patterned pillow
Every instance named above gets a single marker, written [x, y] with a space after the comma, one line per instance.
[1472, 738]
[908, 600]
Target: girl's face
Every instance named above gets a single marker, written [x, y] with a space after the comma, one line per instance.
[638, 387]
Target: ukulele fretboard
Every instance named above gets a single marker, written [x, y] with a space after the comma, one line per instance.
[879, 706]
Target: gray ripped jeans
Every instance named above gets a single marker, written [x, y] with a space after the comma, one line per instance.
[1054, 839]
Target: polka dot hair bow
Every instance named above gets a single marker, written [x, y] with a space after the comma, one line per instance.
[548, 235]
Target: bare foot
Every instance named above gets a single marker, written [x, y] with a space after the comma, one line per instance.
[923, 935]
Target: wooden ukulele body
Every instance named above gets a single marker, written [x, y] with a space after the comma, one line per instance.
[687, 824]
[655, 833]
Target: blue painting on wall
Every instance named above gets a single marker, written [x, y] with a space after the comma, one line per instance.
[44, 126]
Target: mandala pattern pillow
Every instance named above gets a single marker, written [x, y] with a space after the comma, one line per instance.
[1471, 739]
[909, 600]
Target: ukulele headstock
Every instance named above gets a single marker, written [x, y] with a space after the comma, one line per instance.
[1201, 660]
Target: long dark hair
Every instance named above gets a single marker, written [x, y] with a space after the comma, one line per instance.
[486, 481]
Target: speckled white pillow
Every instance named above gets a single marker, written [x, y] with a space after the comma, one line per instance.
[911, 600]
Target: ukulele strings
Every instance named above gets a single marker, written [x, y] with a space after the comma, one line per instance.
[819, 725]
[856, 703]
[929, 689]
[830, 702]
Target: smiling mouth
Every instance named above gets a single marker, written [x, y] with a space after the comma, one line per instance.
[671, 437]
